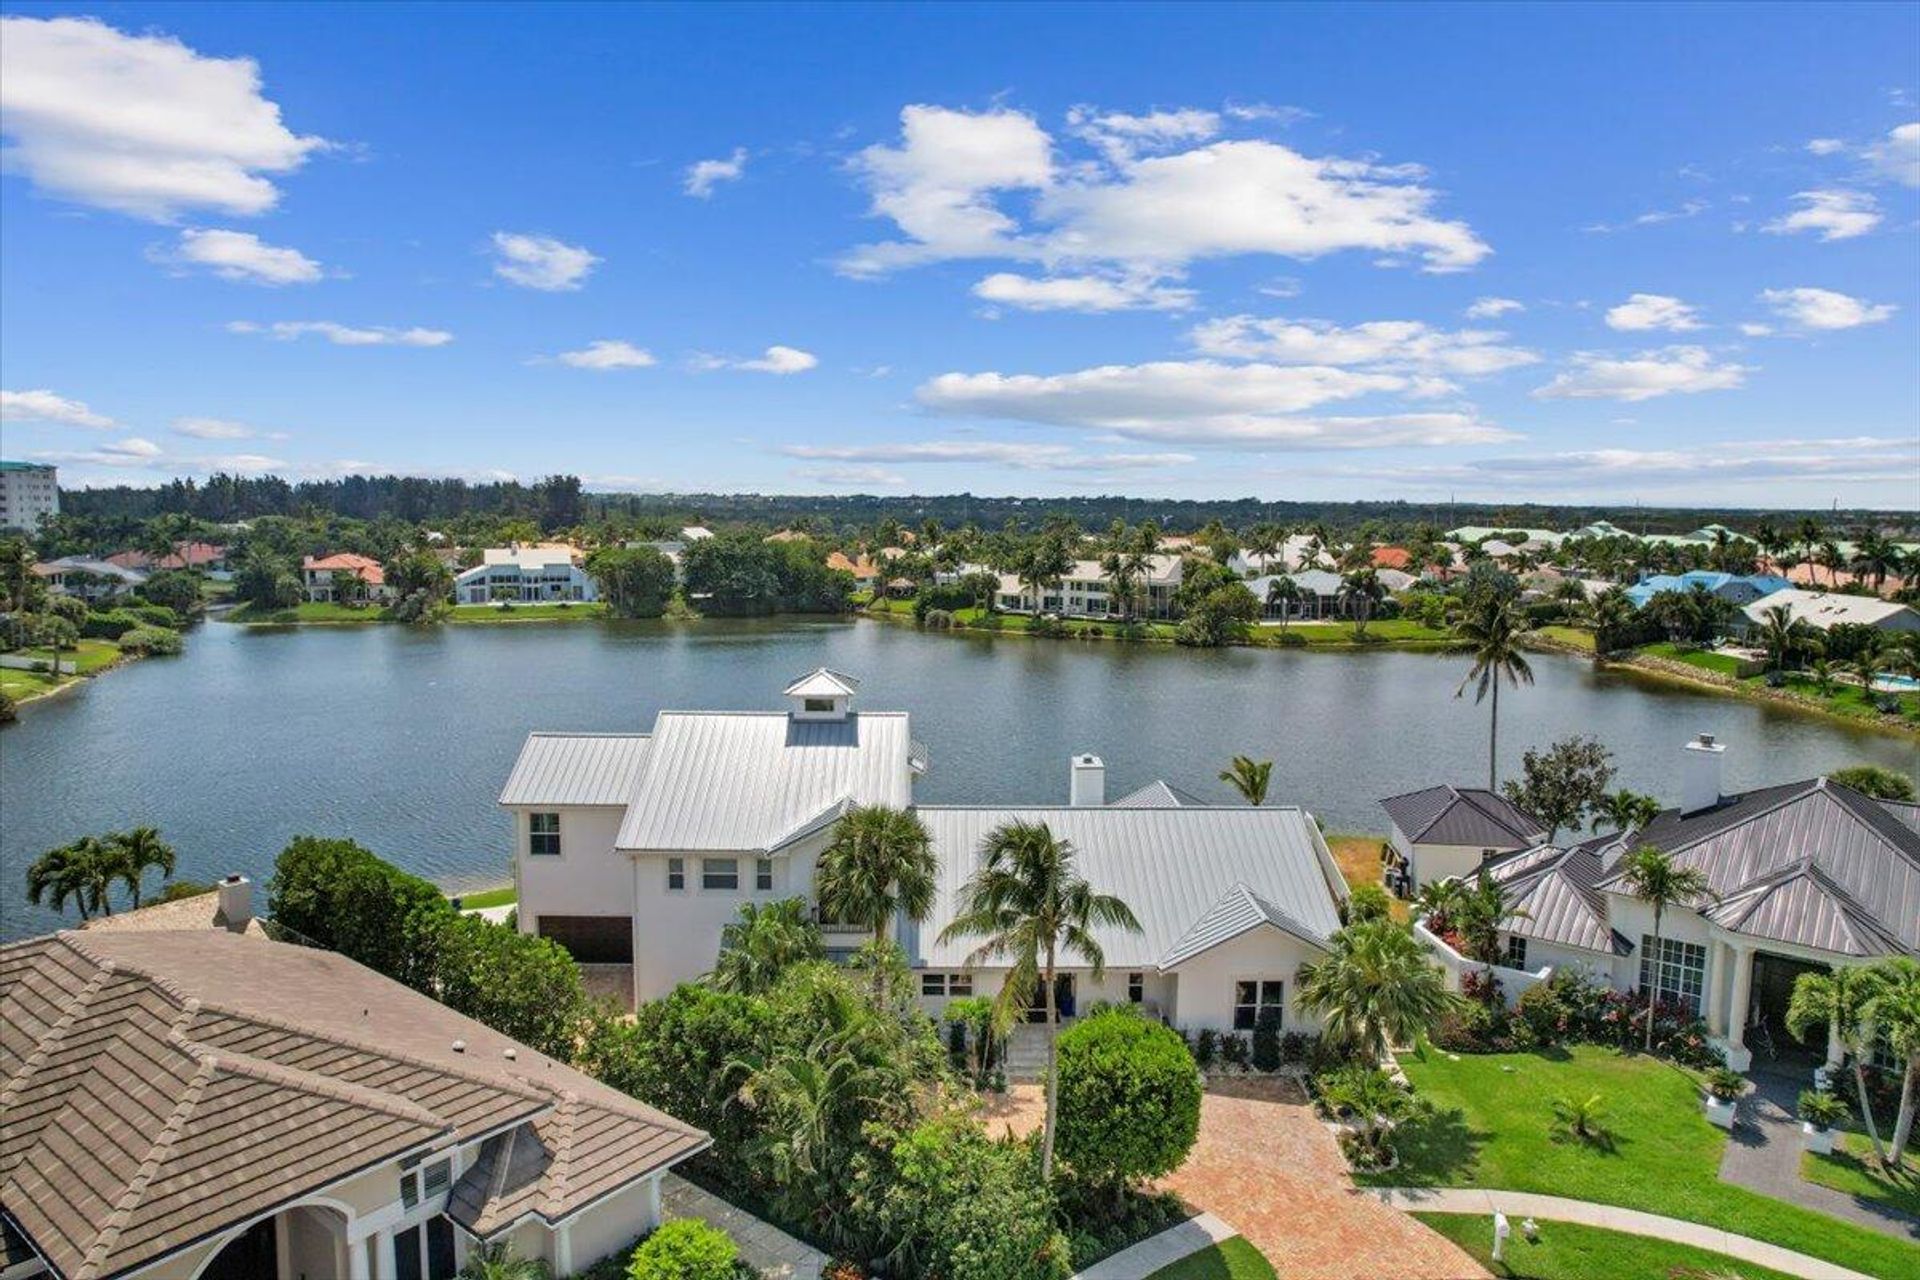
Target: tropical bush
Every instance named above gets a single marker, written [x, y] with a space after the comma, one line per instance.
[1823, 1110]
[685, 1249]
[1725, 1084]
[1373, 1101]
[1582, 1119]
[108, 624]
[1129, 1098]
[1369, 901]
[150, 640]
[1266, 1041]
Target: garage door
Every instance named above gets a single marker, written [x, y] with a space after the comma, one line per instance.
[592, 939]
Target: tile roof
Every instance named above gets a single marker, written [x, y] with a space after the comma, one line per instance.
[154, 1098]
[1173, 866]
[1462, 816]
[747, 780]
[366, 568]
[201, 911]
[576, 768]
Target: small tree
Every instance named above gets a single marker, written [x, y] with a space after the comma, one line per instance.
[1249, 777]
[1376, 986]
[1872, 780]
[762, 942]
[684, 1249]
[636, 581]
[1563, 785]
[1657, 880]
[1129, 1099]
[520, 985]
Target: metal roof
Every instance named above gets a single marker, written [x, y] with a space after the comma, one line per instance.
[1239, 911]
[1171, 866]
[1158, 794]
[1554, 897]
[748, 780]
[1800, 905]
[823, 682]
[1461, 815]
[576, 768]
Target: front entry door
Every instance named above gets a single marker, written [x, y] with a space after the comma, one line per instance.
[1063, 999]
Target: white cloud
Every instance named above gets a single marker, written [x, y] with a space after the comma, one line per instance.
[130, 452]
[1081, 293]
[1653, 217]
[1667, 371]
[1753, 330]
[704, 175]
[876, 477]
[776, 359]
[1643, 311]
[240, 255]
[1835, 214]
[1024, 456]
[1142, 214]
[345, 335]
[1204, 402]
[142, 125]
[1897, 156]
[221, 429]
[540, 262]
[1382, 344]
[1492, 308]
[1281, 115]
[45, 406]
[1826, 146]
[607, 353]
[1825, 309]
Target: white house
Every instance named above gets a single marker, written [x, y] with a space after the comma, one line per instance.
[1822, 609]
[639, 849]
[530, 573]
[88, 578]
[1441, 832]
[1085, 591]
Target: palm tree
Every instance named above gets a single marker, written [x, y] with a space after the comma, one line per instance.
[1285, 592]
[65, 874]
[1839, 1000]
[804, 1098]
[1583, 1119]
[1832, 559]
[1657, 880]
[134, 853]
[762, 943]
[1041, 566]
[1028, 904]
[1783, 635]
[1360, 591]
[1625, 810]
[1377, 986]
[1809, 534]
[880, 865]
[1607, 612]
[1249, 777]
[1478, 915]
[1894, 1012]
[1120, 573]
[1492, 624]
[1875, 557]
[1439, 903]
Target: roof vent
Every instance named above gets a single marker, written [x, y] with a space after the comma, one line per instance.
[459, 1046]
[511, 1053]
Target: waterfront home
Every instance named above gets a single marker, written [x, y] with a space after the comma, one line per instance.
[203, 557]
[1821, 609]
[317, 576]
[1298, 551]
[204, 1103]
[866, 574]
[1085, 591]
[1805, 877]
[638, 849]
[88, 579]
[526, 573]
[1317, 598]
[1441, 832]
[1738, 589]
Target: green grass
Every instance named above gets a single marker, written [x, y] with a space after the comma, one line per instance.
[486, 898]
[493, 614]
[306, 612]
[1846, 1171]
[1232, 1259]
[1849, 701]
[1568, 637]
[1358, 857]
[1393, 630]
[1718, 663]
[1490, 1128]
[22, 685]
[90, 656]
[1569, 1251]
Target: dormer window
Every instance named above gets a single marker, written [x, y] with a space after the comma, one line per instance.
[817, 704]
[822, 694]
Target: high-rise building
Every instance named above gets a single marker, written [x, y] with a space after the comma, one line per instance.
[29, 493]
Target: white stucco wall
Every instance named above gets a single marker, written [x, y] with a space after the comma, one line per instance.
[612, 1224]
[1438, 861]
[588, 878]
[1203, 986]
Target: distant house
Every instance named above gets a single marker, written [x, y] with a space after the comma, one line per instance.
[866, 574]
[1601, 529]
[787, 535]
[88, 579]
[1392, 558]
[317, 575]
[1318, 596]
[526, 574]
[1085, 591]
[1739, 589]
[1446, 831]
[1821, 610]
[205, 557]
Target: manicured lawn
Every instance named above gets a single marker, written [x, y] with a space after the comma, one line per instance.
[1399, 631]
[1232, 1259]
[88, 657]
[1569, 1251]
[1846, 1170]
[1840, 699]
[307, 611]
[1572, 637]
[21, 685]
[1490, 1128]
[1358, 857]
[492, 613]
[1718, 663]
[486, 898]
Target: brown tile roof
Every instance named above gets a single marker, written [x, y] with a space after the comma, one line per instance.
[1391, 558]
[201, 911]
[366, 568]
[163, 1086]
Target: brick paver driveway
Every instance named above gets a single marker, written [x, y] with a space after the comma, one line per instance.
[1266, 1165]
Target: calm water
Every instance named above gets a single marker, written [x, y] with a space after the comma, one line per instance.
[401, 738]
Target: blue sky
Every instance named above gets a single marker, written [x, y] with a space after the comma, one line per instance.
[1617, 253]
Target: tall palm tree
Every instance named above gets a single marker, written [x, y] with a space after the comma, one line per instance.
[1377, 986]
[1361, 591]
[1832, 559]
[1838, 1001]
[1121, 575]
[1028, 904]
[1782, 635]
[762, 943]
[1894, 1012]
[66, 874]
[1477, 917]
[880, 865]
[1285, 592]
[1492, 623]
[136, 852]
[1657, 880]
[1439, 903]
[1249, 777]
[1625, 810]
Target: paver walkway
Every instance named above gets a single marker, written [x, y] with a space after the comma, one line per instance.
[1165, 1249]
[1763, 1154]
[1523, 1204]
[763, 1246]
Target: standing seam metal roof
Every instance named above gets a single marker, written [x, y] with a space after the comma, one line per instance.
[576, 768]
[1460, 815]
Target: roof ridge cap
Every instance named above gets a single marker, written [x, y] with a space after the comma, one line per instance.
[562, 1148]
[234, 1062]
[162, 1146]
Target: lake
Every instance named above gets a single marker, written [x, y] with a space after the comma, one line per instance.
[401, 737]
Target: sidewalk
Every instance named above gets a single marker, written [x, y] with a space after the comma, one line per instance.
[1521, 1204]
[1139, 1261]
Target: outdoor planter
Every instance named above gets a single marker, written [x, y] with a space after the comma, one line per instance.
[1816, 1138]
[1720, 1111]
[1724, 1088]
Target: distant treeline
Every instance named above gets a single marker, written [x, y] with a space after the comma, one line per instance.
[560, 502]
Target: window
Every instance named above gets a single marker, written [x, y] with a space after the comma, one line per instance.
[543, 834]
[817, 704]
[933, 984]
[437, 1178]
[676, 873]
[936, 985]
[719, 873]
[959, 984]
[1252, 997]
[1677, 973]
[1516, 951]
[763, 874]
[417, 1185]
[1136, 988]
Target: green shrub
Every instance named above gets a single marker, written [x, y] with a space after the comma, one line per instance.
[1823, 1110]
[1266, 1041]
[520, 985]
[1206, 1048]
[676, 1052]
[109, 623]
[1289, 639]
[154, 615]
[1129, 1098]
[1369, 901]
[1233, 1048]
[150, 640]
[347, 899]
[684, 1249]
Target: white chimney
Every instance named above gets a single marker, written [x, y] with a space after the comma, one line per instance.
[236, 902]
[1700, 774]
[1087, 783]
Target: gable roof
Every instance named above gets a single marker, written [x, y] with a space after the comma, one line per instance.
[1158, 794]
[1800, 904]
[1554, 896]
[154, 1098]
[823, 682]
[732, 780]
[1462, 816]
[1173, 866]
[576, 768]
[1239, 911]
